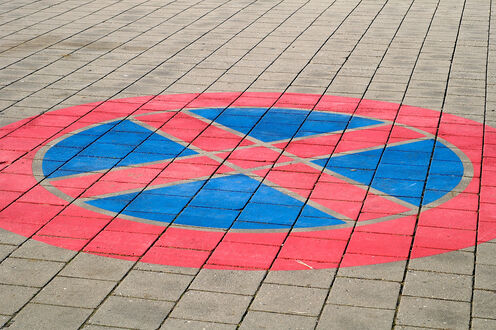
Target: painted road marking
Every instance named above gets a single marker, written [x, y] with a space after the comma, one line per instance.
[228, 178]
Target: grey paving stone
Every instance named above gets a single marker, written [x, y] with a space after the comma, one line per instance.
[485, 277]
[178, 324]
[7, 237]
[229, 281]
[5, 250]
[265, 320]
[486, 253]
[211, 307]
[153, 285]
[166, 269]
[484, 304]
[364, 293]
[98, 327]
[37, 250]
[433, 313]
[351, 317]
[38, 316]
[74, 292]
[483, 324]
[289, 299]
[96, 267]
[316, 278]
[393, 271]
[14, 297]
[28, 272]
[131, 313]
[438, 285]
[3, 320]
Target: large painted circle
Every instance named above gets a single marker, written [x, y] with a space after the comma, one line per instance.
[248, 181]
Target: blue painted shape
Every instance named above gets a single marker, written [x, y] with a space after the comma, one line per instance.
[102, 147]
[394, 171]
[447, 167]
[125, 138]
[280, 124]
[167, 200]
[107, 150]
[60, 153]
[450, 169]
[408, 190]
[270, 213]
[266, 194]
[407, 157]
[223, 199]
[83, 164]
[306, 222]
[402, 170]
[311, 127]
[272, 209]
[254, 225]
[238, 182]
[202, 207]
[207, 217]
[366, 160]
[115, 204]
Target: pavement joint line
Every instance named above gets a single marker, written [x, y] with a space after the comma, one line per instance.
[364, 93]
[488, 45]
[437, 130]
[50, 18]
[40, 21]
[81, 252]
[17, 8]
[157, 238]
[74, 51]
[430, 61]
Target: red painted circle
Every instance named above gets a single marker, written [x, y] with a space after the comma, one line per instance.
[29, 209]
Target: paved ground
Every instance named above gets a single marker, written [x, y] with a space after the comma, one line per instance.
[422, 271]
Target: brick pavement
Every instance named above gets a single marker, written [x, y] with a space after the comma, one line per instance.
[115, 269]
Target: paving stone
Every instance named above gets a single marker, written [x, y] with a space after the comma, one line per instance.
[96, 267]
[364, 293]
[166, 269]
[484, 277]
[211, 307]
[288, 299]
[98, 327]
[265, 320]
[14, 297]
[7, 237]
[38, 316]
[458, 262]
[317, 278]
[438, 285]
[37, 250]
[486, 253]
[131, 313]
[484, 304]
[373, 48]
[240, 282]
[3, 320]
[153, 285]
[425, 312]
[389, 272]
[6, 250]
[28, 272]
[483, 324]
[74, 292]
[351, 317]
[178, 324]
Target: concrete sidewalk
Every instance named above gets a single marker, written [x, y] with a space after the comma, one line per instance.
[253, 164]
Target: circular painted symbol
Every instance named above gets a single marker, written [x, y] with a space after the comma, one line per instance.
[248, 181]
